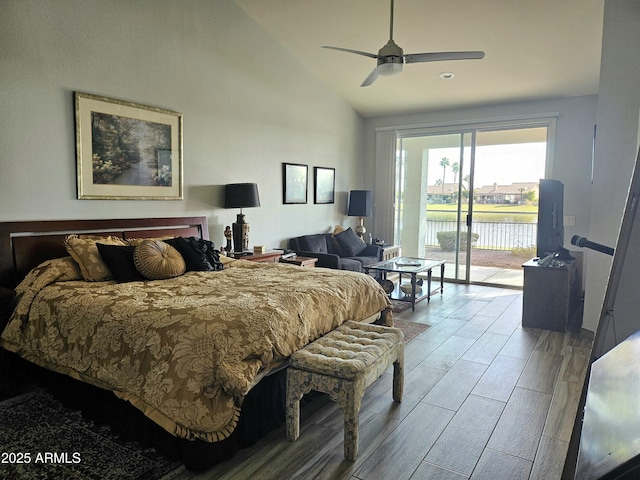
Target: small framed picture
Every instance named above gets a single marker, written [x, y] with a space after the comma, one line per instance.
[127, 151]
[324, 180]
[294, 183]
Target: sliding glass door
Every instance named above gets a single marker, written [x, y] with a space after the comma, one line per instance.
[470, 197]
[432, 198]
[508, 166]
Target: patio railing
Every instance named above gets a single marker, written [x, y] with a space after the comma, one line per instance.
[491, 235]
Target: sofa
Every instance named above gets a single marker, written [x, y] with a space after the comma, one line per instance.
[342, 250]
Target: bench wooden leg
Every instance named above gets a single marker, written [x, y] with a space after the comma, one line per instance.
[348, 395]
[352, 429]
[295, 380]
[398, 378]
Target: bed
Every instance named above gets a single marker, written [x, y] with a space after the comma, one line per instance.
[187, 352]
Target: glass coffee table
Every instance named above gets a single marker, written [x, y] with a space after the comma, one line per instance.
[411, 266]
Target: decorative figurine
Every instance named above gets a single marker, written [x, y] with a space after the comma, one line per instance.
[227, 236]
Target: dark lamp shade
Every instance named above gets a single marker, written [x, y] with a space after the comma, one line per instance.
[241, 195]
[360, 203]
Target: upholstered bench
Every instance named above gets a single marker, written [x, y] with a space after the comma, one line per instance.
[343, 363]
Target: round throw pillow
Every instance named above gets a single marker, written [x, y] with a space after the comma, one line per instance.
[157, 260]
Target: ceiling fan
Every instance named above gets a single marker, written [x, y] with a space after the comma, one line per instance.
[391, 57]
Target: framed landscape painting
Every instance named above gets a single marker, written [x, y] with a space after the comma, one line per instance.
[294, 183]
[127, 151]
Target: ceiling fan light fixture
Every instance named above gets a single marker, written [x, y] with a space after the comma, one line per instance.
[389, 69]
[391, 57]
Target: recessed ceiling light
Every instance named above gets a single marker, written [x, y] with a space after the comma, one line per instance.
[447, 75]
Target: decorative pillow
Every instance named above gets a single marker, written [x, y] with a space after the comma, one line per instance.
[137, 241]
[199, 254]
[337, 229]
[157, 260]
[119, 259]
[85, 252]
[349, 242]
[316, 243]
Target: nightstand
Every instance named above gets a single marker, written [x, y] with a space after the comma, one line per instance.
[271, 256]
[307, 262]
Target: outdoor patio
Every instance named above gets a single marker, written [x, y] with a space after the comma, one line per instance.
[496, 267]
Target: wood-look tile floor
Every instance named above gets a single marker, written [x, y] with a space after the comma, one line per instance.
[484, 398]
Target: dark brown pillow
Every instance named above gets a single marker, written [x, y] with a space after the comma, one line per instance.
[119, 259]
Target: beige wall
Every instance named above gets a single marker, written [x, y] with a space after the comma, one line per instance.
[248, 106]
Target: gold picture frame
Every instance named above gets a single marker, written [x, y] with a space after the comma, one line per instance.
[127, 151]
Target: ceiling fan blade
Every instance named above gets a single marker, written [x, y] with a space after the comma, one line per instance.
[371, 78]
[442, 56]
[348, 50]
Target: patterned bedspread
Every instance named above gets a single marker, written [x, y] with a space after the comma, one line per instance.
[184, 351]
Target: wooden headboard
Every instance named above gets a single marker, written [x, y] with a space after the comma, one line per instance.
[24, 245]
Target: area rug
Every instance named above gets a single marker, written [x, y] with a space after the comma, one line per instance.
[399, 306]
[410, 329]
[40, 439]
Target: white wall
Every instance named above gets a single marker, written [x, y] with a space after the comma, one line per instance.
[572, 155]
[615, 153]
[248, 106]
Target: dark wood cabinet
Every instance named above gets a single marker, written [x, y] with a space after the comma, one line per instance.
[552, 296]
[266, 257]
[306, 262]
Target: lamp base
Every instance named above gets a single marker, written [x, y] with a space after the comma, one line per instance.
[240, 234]
[360, 230]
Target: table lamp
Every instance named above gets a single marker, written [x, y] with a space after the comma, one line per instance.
[360, 205]
[241, 195]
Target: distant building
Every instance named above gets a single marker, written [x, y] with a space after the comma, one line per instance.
[509, 194]
[513, 194]
[443, 193]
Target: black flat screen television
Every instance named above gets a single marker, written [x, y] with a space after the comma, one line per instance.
[550, 237]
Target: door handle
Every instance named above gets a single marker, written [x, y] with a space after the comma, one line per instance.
[468, 220]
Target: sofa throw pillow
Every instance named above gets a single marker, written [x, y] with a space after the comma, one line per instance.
[157, 260]
[199, 255]
[85, 252]
[349, 243]
[119, 259]
[316, 243]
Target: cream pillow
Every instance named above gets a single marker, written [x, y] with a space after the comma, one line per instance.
[157, 260]
[85, 252]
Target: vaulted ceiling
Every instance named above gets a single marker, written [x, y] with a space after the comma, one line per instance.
[534, 49]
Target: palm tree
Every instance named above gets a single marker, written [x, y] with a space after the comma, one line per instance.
[444, 163]
[455, 168]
